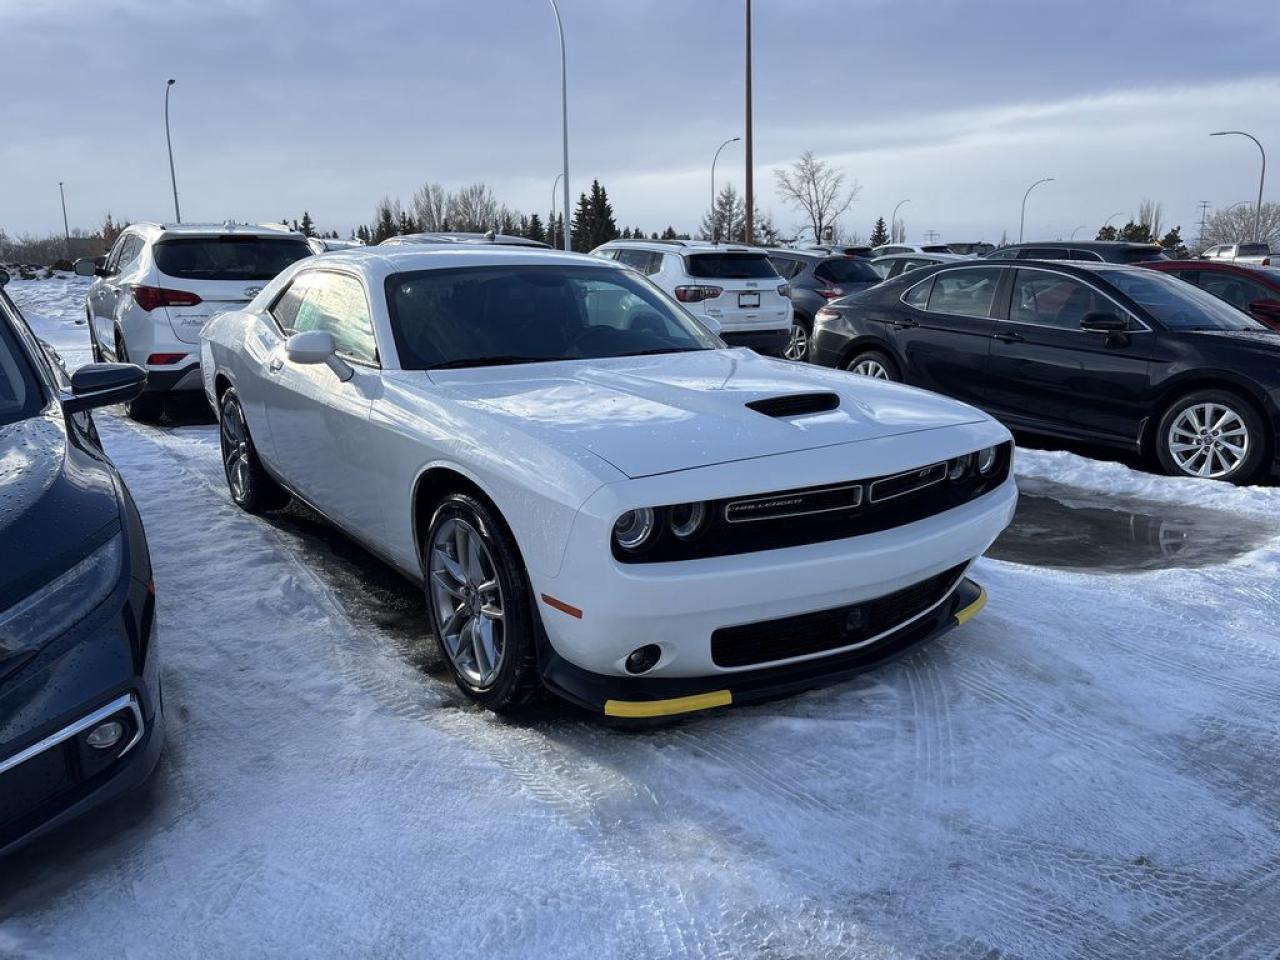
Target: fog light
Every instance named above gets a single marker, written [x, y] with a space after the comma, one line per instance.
[105, 735]
[643, 658]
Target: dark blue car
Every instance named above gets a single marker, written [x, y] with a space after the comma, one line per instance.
[80, 710]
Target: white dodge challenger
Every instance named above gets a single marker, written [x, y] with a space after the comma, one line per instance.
[597, 495]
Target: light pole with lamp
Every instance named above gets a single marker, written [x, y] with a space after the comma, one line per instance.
[173, 177]
[1257, 216]
[564, 121]
[893, 222]
[714, 226]
[1022, 222]
[66, 230]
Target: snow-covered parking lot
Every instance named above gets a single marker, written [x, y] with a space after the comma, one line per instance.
[1089, 768]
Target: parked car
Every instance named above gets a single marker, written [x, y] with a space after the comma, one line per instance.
[1259, 253]
[594, 494]
[1255, 290]
[321, 245]
[1088, 251]
[500, 239]
[80, 717]
[888, 249]
[734, 290]
[814, 278]
[1114, 355]
[161, 282]
[896, 264]
[970, 249]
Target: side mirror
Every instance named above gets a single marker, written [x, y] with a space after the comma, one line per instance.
[1104, 323]
[317, 346]
[88, 266]
[102, 384]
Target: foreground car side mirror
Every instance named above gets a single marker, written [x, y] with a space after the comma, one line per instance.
[89, 266]
[102, 384]
[317, 346]
[1104, 323]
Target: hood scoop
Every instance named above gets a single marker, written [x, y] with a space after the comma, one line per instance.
[795, 405]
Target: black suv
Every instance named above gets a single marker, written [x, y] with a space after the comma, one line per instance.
[1110, 354]
[1088, 251]
[815, 278]
[80, 717]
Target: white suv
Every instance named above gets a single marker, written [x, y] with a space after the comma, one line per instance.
[732, 289]
[161, 282]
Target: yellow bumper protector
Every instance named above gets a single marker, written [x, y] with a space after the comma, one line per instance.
[971, 611]
[667, 708]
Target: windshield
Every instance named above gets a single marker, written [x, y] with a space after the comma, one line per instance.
[1254, 250]
[485, 316]
[1177, 304]
[20, 395]
[729, 266]
[845, 270]
[227, 257]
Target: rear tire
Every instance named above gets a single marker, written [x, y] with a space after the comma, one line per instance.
[478, 604]
[798, 346]
[1211, 434]
[145, 407]
[252, 489]
[874, 364]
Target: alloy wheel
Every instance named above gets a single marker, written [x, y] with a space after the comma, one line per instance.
[868, 367]
[1208, 440]
[798, 345]
[467, 607]
[233, 434]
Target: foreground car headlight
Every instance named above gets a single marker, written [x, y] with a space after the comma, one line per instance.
[63, 602]
[988, 460]
[687, 519]
[634, 529]
[958, 468]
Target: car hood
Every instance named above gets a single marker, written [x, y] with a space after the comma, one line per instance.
[54, 499]
[661, 414]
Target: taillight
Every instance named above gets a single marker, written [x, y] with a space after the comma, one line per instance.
[831, 292]
[696, 294]
[826, 313]
[784, 290]
[1266, 261]
[163, 359]
[148, 298]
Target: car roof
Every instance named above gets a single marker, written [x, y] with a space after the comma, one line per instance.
[915, 255]
[500, 239]
[1085, 245]
[692, 246]
[382, 261]
[153, 230]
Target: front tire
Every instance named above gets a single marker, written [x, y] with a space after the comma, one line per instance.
[1213, 435]
[252, 488]
[874, 364]
[478, 604]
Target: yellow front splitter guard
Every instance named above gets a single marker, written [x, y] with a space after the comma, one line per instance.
[665, 708]
[972, 610]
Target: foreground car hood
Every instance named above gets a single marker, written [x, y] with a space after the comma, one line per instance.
[660, 414]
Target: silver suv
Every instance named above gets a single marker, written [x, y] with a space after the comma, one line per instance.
[732, 289]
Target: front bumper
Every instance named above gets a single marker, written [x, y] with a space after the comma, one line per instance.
[649, 697]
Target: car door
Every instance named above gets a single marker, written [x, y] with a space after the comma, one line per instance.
[104, 295]
[944, 344]
[317, 422]
[1044, 370]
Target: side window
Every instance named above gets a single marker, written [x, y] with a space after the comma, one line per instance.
[607, 254]
[1043, 253]
[285, 310]
[918, 296]
[113, 259]
[654, 264]
[642, 261]
[786, 267]
[1008, 253]
[964, 293]
[336, 303]
[1236, 290]
[913, 264]
[1052, 300]
[1085, 255]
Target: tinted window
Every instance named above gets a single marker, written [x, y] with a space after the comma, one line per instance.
[966, 293]
[645, 261]
[1085, 255]
[786, 267]
[113, 259]
[1254, 250]
[1044, 253]
[730, 266]
[882, 267]
[843, 270]
[1007, 253]
[480, 315]
[1052, 300]
[335, 303]
[936, 248]
[1141, 256]
[913, 264]
[1236, 290]
[1177, 305]
[228, 258]
[918, 296]
[20, 395]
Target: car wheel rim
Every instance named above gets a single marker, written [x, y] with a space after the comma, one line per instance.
[870, 368]
[798, 345]
[467, 602]
[1208, 440]
[234, 434]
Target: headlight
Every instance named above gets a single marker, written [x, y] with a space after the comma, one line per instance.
[958, 468]
[688, 519]
[63, 602]
[634, 529]
[988, 458]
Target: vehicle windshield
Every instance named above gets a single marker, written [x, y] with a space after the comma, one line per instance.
[20, 395]
[1254, 250]
[729, 266]
[846, 270]
[228, 257]
[486, 316]
[1176, 304]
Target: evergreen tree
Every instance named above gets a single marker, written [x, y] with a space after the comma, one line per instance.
[879, 234]
[726, 221]
[1107, 233]
[386, 221]
[406, 225]
[534, 230]
[626, 233]
[1173, 245]
[593, 222]
[307, 226]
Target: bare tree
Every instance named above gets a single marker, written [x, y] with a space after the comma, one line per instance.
[472, 208]
[1235, 225]
[429, 205]
[817, 189]
[1149, 214]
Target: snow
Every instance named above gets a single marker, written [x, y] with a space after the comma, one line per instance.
[1086, 769]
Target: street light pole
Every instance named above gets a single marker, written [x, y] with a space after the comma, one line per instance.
[714, 225]
[564, 121]
[1077, 230]
[1257, 216]
[66, 230]
[1107, 222]
[750, 200]
[1023, 221]
[893, 222]
[173, 177]
[551, 227]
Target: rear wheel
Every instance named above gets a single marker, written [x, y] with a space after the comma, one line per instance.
[874, 364]
[801, 333]
[478, 603]
[252, 488]
[1211, 434]
[145, 407]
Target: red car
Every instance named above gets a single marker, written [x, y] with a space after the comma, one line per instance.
[1253, 289]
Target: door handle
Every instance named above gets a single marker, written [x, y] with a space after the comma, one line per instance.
[1009, 337]
[904, 323]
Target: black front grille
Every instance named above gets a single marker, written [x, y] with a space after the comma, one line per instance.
[810, 633]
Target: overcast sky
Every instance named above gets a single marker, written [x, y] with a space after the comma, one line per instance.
[327, 105]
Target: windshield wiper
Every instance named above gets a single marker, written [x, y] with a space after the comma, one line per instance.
[491, 361]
